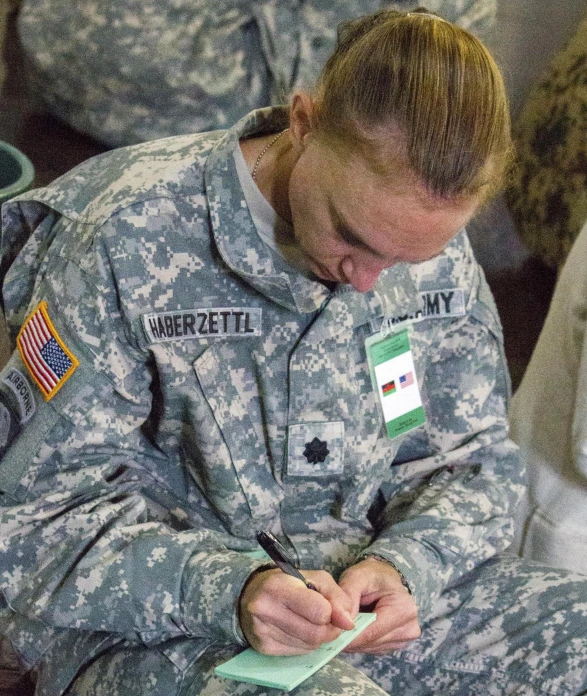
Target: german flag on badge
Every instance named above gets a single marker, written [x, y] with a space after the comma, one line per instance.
[49, 361]
[388, 388]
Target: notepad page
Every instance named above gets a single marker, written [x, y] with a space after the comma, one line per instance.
[287, 671]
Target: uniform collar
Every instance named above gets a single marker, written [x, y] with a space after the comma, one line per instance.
[234, 231]
[394, 294]
[246, 254]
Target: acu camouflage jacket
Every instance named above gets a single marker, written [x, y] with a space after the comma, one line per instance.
[193, 367]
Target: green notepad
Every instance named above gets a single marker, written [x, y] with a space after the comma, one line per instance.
[287, 671]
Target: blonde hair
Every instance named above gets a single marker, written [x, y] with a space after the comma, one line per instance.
[414, 79]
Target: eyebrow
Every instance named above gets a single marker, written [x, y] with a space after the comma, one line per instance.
[346, 232]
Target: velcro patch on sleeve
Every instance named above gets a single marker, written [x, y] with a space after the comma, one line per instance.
[9, 424]
[23, 393]
[50, 363]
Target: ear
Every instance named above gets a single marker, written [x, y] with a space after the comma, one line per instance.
[301, 118]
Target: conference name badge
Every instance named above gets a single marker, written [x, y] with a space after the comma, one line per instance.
[393, 376]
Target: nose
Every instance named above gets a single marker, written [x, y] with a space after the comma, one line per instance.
[362, 276]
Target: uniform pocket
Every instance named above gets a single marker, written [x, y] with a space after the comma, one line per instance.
[248, 471]
[367, 476]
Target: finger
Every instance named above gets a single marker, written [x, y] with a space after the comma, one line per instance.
[310, 605]
[275, 589]
[272, 640]
[307, 621]
[340, 605]
[396, 622]
[384, 645]
[342, 618]
[402, 634]
[362, 586]
[266, 605]
[287, 619]
[371, 641]
[368, 637]
[342, 610]
[353, 591]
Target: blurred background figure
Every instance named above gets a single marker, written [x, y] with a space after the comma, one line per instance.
[549, 422]
[548, 201]
[134, 70]
[548, 195]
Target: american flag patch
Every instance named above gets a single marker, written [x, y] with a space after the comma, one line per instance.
[49, 361]
[406, 380]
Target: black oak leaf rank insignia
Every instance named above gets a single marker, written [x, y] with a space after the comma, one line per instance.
[316, 451]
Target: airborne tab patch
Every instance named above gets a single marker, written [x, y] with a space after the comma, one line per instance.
[218, 322]
[49, 361]
[23, 392]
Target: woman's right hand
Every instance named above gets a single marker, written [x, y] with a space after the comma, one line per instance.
[279, 615]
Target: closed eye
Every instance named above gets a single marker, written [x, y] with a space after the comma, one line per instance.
[348, 236]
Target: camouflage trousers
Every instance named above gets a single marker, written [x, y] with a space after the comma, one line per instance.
[508, 628]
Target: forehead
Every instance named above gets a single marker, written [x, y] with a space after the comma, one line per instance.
[397, 207]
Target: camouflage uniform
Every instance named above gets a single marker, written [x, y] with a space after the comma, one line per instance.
[135, 70]
[198, 366]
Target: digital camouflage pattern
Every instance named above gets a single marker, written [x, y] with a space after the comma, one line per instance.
[135, 70]
[130, 497]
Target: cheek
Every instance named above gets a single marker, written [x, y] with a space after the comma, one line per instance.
[308, 229]
[301, 206]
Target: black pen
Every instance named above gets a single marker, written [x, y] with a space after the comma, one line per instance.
[281, 557]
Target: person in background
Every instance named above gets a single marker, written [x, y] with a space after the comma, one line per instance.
[281, 327]
[549, 422]
[134, 70]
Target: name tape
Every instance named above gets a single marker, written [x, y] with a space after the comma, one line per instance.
[217, 322]
[434, 304]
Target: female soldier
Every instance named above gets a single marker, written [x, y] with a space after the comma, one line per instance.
[192, 365]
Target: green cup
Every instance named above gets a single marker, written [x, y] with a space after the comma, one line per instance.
[16, 172]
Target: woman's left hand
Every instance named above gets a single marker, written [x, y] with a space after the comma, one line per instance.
[377, 585]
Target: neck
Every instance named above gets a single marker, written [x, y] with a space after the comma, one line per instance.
[273, 172]
[276, 187]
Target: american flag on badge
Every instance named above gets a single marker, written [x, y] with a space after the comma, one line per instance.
[47, 358]
[406, 380]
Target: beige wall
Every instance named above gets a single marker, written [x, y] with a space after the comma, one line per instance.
[528, 33]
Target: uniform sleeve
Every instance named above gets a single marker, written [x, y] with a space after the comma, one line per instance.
[179, 66]
[439, 526]
[82, 544]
